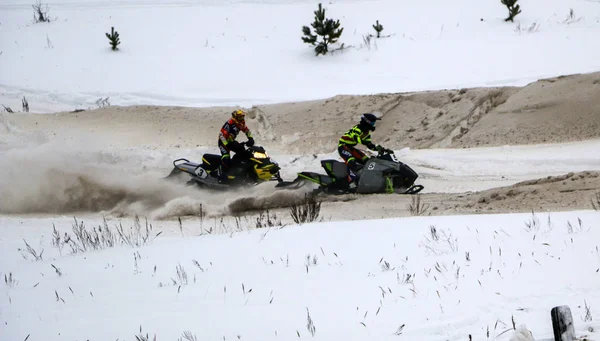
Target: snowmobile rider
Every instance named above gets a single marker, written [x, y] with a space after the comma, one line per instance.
[227, 142]
[360, 133]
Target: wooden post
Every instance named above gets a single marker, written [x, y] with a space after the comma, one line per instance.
[562, 323]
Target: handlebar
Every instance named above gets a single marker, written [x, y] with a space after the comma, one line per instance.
[384, 151]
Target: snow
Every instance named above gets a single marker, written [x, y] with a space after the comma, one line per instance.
[205, 53]
[359, 280]
[380, 279]
[522, 334]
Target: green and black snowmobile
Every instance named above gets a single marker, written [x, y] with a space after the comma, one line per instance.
[382, 173]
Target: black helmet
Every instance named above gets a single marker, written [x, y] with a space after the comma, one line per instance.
[369, 120]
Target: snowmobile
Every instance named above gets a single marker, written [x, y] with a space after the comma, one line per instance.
[249, 167]
[382, 173]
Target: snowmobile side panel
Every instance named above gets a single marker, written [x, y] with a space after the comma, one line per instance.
[297, 183]
[408, 172]
[317, 178]
[371, 179]
[265, 172]
[406, 177]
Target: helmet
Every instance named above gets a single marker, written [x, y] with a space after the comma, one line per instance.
[239, 115]
[369, 120]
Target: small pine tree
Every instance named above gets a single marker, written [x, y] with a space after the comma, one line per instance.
[114, 38]
[378, 28]
[25, 104]
[513, 9]
[327, 28]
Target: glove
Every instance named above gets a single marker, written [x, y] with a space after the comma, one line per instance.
[235, 146]
[382, 149]
[250, 142]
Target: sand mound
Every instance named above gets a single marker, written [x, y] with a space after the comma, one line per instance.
[549, 111]
[552, 110]
[550, 193]
[572, 191]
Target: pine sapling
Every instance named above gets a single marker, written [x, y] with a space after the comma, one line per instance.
[513, 9]
[328, 29]
[378, 28]
[25, 104]
[114, 38]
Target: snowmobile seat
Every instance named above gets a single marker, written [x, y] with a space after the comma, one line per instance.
[335, 169]
[211, 161]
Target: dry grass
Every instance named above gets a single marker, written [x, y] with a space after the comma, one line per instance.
[30, 251]
[310, 326]
[10, 281]
[596, 201]
[102, 236]
[533, 28]
[266, 219]
[306, 211]
[439, 241]
[416, 207]
[588, 313]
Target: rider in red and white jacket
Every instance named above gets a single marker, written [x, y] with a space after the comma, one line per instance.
[227, 142]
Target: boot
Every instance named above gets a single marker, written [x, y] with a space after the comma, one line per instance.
[352, 177]
[221, 175]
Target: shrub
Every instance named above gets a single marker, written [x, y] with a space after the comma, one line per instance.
[513, 9]
[328, 29]
[40, 14]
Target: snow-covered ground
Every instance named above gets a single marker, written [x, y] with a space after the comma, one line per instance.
[204, 53]
[389, 279]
